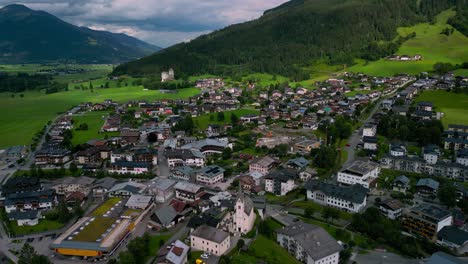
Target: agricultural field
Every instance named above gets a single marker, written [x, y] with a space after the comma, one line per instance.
[429, 42]
[203, 121]
[22, 117]
[94, 120]
[453, 105]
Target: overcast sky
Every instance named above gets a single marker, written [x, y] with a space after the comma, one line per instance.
[159, 22]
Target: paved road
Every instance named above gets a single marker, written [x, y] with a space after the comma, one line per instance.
[163, 168]
[376, 257]
[355, 138]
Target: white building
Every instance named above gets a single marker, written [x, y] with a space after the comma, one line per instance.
[360, 172]
[244, 215]
[347, 198]
[281, 181]
[187, 191]
[26, 218]
[398, 150]
[185, 157]
[462, 157]
[210, 239]
[391, 208]
[70, 185]
[370, 143]
[129, 167]
[210, 175]
[369, 130]
[262, 165]
[161, 189]
[309, 244]
[167, 75]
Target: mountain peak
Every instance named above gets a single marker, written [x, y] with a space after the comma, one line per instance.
[15, 8]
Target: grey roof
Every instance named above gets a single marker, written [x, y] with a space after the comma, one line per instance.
[187, 186]
[432, 211]
[453, 234]
[403, 179]
[166, 214]
[355, 193]
[265, 161]
[137, 200]
[300, 162]
[444, 258]
[282, 174]
[161, 183]
[259, 202]
[82, 180]
[206, 142]
[360, 167]
[130, 186]
[105, 183]
[210, 233]
[313, 239]
[367, 139]
[427, 182]
[29, 214]
[177, 253]
[211, 171]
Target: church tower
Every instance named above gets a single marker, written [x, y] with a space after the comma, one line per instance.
[244, 215]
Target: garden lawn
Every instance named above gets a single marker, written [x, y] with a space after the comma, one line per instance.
[95, 120]
[265, 250]
[155, 242]
[433, 46]
[22, 117]
[453, 105]
[203, 121]
[44, 225]
[106, 206]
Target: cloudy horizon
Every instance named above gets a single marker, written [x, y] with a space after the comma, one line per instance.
[159, 22]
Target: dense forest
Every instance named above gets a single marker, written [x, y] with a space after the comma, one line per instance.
[294, 35]
[460, 20]
[22, 81]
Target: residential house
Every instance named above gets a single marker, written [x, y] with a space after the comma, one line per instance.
[185, 173]
[370, 142]
[426, 220]
[401, 184]
[391, 208]
[309, 244]
[211, 240]
[281, 181]
[129, 167]
[427, 186]
[161, 189]
[347, 198]
[184, 157]
[262, 165]
[306, 146]
[175, 254]
[102, 186]
[187, 191]
[210, 175]
[126, 189]
[298, 164]
[453, 238]
[30, 200]
[369, 130]
[69, 185]
[360, 172]
[25, 218]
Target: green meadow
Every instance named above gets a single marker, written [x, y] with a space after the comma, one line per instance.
[22, 117]
[453, 105]
[429, 42]
[203, 121]
[94, 120]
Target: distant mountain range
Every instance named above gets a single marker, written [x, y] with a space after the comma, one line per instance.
[295, 35]
[30, 36]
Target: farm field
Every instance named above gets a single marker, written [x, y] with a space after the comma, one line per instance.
[452, 104]
[433, 46]
[22, 117]
[94, 120]
[203, 121]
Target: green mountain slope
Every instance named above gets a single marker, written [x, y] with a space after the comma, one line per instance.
[294, 35]
[36, 36]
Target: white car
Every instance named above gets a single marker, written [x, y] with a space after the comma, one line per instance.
[204, 255]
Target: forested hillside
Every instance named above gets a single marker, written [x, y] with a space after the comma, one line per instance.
[294, 35]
